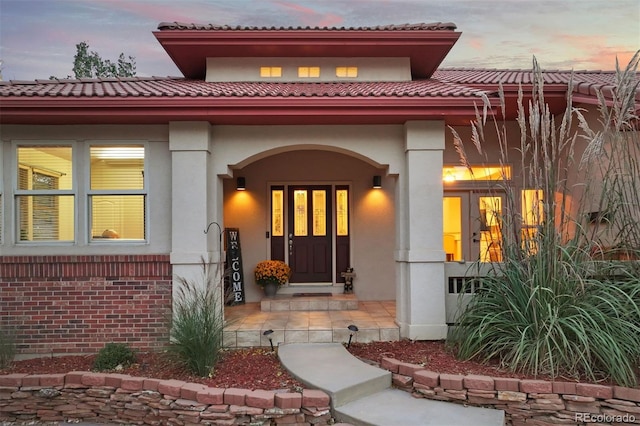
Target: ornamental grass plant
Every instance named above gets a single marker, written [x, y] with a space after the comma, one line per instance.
[557, 304]
[197, 321]
[272, 271]
[7, 348]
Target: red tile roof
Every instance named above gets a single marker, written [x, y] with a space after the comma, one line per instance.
[434, 26]
[586, 84]
[475, 76]
[452, 94]
[180, 87]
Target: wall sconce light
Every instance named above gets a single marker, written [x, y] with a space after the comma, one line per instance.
[241, 184]
[352, 329]
[377, 182]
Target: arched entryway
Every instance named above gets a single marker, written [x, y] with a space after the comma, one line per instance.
[315, 210]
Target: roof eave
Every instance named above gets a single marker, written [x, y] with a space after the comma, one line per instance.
[189, 48]
[241, 111]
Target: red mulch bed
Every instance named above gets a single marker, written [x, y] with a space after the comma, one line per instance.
[259, 368]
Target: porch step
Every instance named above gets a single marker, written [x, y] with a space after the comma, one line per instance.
[307, 302]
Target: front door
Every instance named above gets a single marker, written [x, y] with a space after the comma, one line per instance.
[472, 228]
[310, 233]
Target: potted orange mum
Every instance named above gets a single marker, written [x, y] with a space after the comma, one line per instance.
[271, 275]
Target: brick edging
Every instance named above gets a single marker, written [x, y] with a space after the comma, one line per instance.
[524, 401]
[83, 395]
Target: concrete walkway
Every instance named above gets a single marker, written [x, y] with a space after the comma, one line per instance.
[362, 395]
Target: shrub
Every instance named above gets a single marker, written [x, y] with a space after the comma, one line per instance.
[7, 348]
[550, 307]
[113, 355]
[197, 321]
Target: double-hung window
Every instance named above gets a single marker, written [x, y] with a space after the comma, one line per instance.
[45, 194]
[117, 192]
[52, 186]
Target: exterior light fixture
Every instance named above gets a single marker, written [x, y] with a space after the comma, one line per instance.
[241, 184]
[377, 182]
[353, 329]
[268, 334]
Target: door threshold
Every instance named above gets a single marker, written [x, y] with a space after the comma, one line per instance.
[292, 285]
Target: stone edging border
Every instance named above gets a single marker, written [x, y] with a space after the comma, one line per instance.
[525, 402]
[104, 397]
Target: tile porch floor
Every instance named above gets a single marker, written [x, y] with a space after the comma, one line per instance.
[246, 323]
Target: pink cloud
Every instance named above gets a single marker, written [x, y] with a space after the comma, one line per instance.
[156, 12]
[311, 17]
[477, 43]
[593, 52]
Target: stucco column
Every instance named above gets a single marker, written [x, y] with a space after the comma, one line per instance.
[420, 257]
[196, 198]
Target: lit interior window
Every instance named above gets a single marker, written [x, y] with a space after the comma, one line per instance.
[45, 209]
[309, 72]
[532, 207]
[346, 72]
[117, 192]
[452, 174]
[452, 228]
[270, 71]
[490, 229]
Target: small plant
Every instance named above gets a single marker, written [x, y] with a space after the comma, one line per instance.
[113, 355]
[197, 321]
[272, 271]
[7, 348]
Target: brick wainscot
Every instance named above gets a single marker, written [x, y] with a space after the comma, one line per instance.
[76, 304]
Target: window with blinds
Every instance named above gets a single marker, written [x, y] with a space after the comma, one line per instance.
[117, 194]
[44, 196]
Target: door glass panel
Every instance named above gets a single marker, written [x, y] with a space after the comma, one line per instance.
[300, 213]
[490, 232]
[319, 213]
[342, 212]
[452, 228]
[532, 209]
[277, 212]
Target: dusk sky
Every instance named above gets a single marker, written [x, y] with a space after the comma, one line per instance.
[38, 37]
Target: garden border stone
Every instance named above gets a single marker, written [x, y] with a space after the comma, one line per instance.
[105, 397]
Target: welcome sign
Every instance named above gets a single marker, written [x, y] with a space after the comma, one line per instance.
[234, 294]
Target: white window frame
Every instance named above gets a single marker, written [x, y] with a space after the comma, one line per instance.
[91, 192]
[30, 192]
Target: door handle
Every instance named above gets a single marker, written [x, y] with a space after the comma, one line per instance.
[290, 244]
